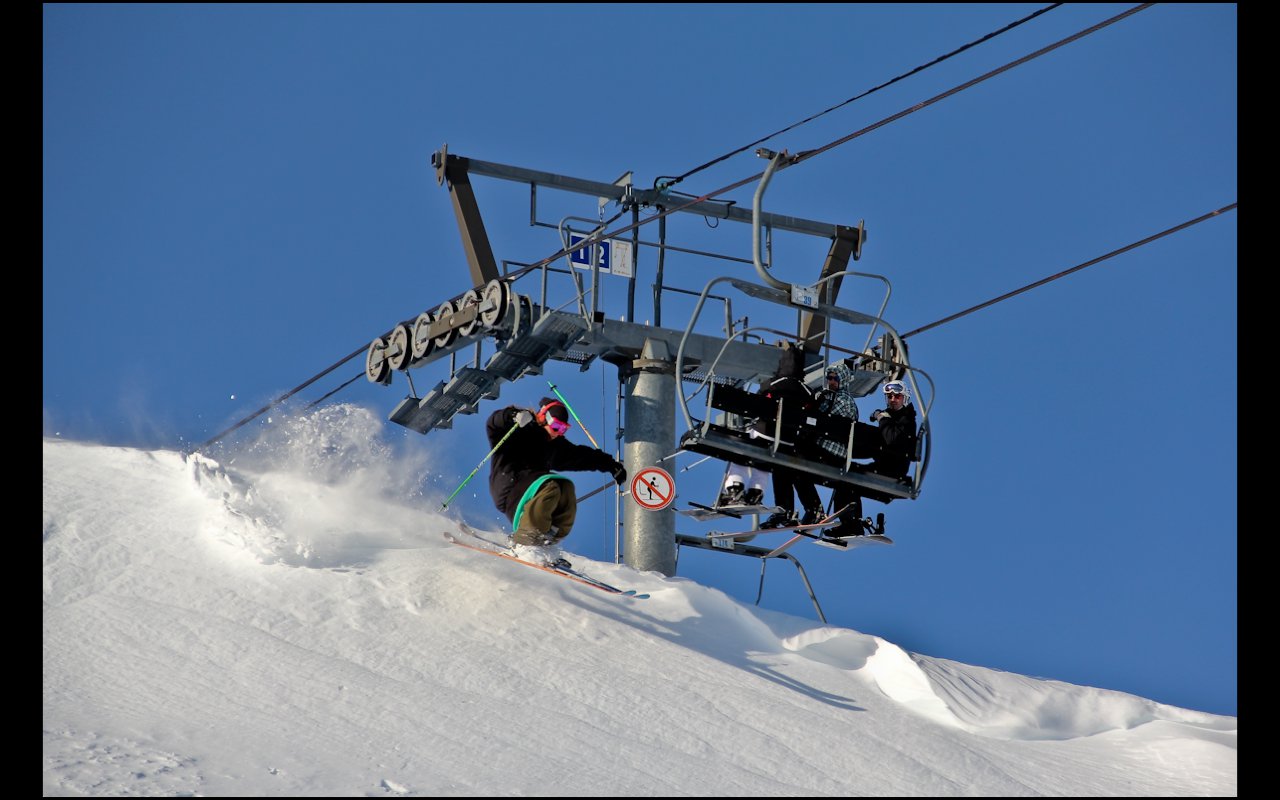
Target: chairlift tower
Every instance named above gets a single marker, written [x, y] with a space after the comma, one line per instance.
[560, 319]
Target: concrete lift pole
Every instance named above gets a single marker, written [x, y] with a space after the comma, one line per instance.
[649, 537]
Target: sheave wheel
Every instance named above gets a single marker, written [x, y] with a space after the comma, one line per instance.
[493, 305]
[398, 353]
[376, 368]
[445, 312]
[421, 344]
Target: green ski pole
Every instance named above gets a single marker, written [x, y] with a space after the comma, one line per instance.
[574, 413]
[505, 437]
[594, 492]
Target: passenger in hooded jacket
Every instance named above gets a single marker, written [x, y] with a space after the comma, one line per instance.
[836, 400]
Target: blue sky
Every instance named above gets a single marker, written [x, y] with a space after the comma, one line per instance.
[235, 197]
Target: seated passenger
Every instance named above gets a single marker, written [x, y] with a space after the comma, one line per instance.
[837, 401]
[788, 392]
[834, 400]
[892, 443]
[742, 487]
[788, 387]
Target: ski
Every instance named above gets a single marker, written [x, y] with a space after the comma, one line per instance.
[702, 513]
[836, 542]
[822, 523]
[493, 548]
[783, 529]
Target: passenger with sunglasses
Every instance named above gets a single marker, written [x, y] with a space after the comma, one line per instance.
[890, 443]
[524, 479]
[893, 444]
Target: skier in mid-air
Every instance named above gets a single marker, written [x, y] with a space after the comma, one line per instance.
[523, 478]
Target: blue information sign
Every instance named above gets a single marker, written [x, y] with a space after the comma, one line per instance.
[582, 257]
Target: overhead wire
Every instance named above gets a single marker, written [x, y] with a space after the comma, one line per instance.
[974, 82]
[281, 399]
[808, 154]
[658, 183]
[1076, 268]
[340, 387]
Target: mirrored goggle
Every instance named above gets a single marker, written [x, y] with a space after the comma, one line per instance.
[895, 387]
[557, 427]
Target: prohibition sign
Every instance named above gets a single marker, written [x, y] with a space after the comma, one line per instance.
[653, 488]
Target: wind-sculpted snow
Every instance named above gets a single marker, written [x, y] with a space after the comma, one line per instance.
[277, 625]
[1004, 704]
[887, 664]
[990, 702]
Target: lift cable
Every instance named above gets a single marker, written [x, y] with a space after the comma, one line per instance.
[808, 154]
[659, 183]
[1077, 268]
[327, 395]
[282, 398]
[968, 84]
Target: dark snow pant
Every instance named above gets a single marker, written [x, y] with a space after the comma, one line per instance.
[850, 501]
[845, 500]
[785, 482]
[548, 516]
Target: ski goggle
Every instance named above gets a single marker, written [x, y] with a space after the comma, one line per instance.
[895, 387]
[556, 426]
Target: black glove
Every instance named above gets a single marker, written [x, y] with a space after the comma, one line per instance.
[878, 413]
[522, 418]
[619, 473]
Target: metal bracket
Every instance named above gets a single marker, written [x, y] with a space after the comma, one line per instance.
[761, 553]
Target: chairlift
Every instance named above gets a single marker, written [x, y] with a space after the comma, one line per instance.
[748, 428]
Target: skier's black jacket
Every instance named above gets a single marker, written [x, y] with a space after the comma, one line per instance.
[529, 454]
